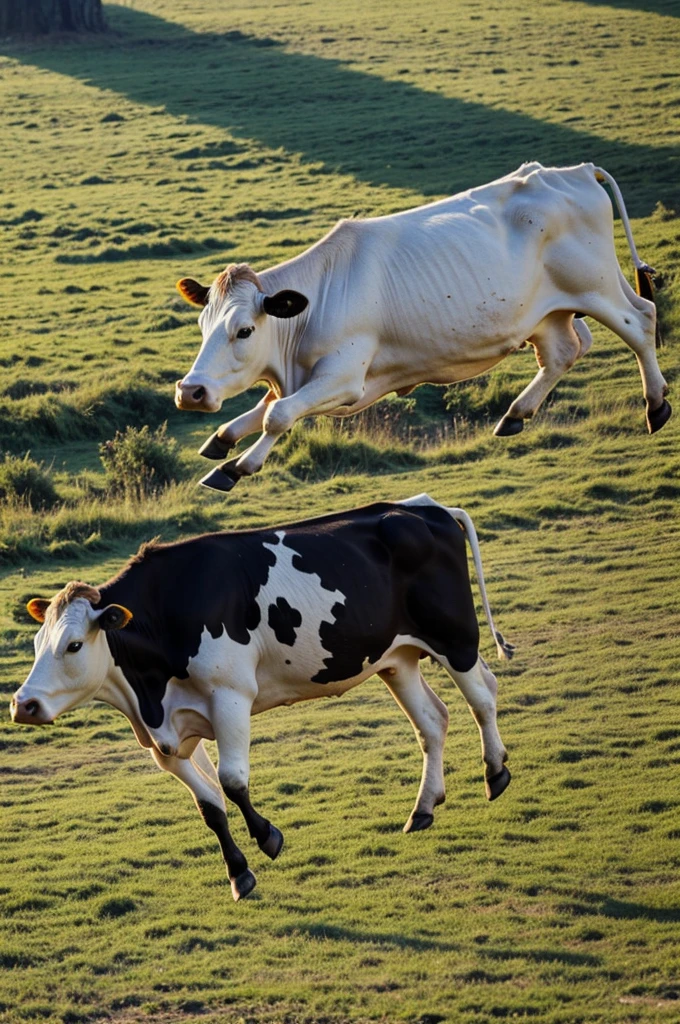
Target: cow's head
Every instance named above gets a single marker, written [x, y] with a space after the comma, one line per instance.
[236, 323]
[72, 656]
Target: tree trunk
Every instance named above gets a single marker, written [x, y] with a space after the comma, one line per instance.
[36, 17]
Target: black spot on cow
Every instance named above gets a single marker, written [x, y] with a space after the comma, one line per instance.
[284, 620]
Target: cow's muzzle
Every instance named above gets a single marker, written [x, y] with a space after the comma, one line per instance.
[195, 397]
[29, 712]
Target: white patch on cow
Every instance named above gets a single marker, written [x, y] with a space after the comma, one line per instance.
[304, 592]
[220, 663]
[218, 659]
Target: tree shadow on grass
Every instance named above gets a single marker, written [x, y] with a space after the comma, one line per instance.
[382, 132]
[670, 8]
[627, 911]
[596, 904]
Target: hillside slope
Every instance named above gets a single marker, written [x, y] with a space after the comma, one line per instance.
[197, 134]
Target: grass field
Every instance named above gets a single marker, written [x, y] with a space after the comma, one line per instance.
[194, 134]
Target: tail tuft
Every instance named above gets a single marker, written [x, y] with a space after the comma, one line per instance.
[644, 286]
[505, 650]
[644, 278]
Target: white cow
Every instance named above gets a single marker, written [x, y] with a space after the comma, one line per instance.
[439, 293]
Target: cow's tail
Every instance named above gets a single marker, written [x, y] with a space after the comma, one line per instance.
[644, 274]
[505, 650]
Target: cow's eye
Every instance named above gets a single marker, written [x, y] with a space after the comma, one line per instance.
[74, 647]
[245, 332]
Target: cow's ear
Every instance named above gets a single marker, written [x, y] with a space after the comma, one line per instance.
[115, 616]
[195, 293]
[37, 608]
[285, 304]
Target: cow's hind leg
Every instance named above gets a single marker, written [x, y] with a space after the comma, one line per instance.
[480, 687]
[210, 803]
[559, 340]
[633, 318]
[429, 717]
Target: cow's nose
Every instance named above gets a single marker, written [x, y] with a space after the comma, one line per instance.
[29, 712]
[190, 396]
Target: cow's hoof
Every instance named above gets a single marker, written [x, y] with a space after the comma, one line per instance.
[243, 884]
[418, 822]
[220, 479]
[273, 843]
[497, 784]
[657, 417]
[214, 448]
[508, 427]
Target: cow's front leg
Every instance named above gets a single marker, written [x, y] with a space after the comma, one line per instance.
[226, 436]
[336, 382]
[231, 722]
[430, 718]
[210, 803]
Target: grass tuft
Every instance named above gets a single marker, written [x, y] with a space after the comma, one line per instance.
[321, 449]
[88, 413]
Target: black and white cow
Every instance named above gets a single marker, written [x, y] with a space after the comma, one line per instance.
[191, 639]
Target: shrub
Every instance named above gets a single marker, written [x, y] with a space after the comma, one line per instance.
[25, 479]
[140, 462]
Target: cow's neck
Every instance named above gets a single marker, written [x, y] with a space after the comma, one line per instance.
[283, 369]
[117, 692]
[308, 273]
[175, 593]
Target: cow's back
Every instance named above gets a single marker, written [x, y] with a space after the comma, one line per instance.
[465, 274]
[392, 572]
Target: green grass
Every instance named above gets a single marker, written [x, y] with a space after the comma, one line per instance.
[196, 134]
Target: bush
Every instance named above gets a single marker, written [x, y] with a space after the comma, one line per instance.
[139, 462]
[25, 479]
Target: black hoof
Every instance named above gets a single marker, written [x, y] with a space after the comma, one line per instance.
[497, 784]
[214, 448]
[508, 426]
[418, 822]
[220, 479]
[657, 417]
[273, 843]
[243, 884]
